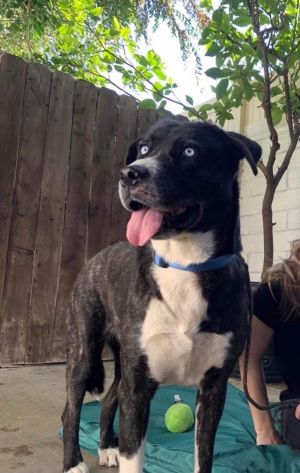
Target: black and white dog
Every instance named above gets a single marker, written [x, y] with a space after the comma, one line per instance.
[173, 305]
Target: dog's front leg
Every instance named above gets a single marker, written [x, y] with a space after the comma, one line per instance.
[209, 408]
[134, 394]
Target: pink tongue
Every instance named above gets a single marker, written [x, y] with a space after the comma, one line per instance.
[143, 225]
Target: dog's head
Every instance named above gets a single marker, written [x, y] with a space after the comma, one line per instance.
[182, 176]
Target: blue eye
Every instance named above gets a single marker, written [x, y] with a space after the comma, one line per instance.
[144, 149]
[189, 152]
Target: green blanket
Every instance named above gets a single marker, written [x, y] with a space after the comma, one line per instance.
[235, 448]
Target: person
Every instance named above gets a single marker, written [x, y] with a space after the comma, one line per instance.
[276, 309]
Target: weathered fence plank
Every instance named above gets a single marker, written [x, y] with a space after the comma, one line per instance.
[146, 118]
[51, 220]
[18, 277]
[62, 145]
[126, 133]
[12, 71]
[103, 172]
[77, 205]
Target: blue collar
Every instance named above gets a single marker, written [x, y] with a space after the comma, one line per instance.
[209, 265]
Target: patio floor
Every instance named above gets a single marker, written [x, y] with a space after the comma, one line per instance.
[31, 401]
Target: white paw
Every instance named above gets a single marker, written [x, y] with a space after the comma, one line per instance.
[108, 456]
[80, 468]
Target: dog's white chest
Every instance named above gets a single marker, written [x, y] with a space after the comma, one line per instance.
[176, 351]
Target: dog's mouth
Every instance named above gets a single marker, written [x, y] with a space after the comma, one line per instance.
[146, 222]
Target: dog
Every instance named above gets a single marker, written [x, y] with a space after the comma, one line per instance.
[173, 302]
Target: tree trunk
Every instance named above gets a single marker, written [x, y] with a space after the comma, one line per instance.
[267, 216]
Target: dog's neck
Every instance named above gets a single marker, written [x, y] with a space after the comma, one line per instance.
[186, 248]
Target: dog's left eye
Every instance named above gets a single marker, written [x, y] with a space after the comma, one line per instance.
[144, 149]
[189, 152]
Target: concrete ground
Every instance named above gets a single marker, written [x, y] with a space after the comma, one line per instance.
[31, 402]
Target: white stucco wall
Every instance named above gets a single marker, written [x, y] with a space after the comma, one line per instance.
[286, 206]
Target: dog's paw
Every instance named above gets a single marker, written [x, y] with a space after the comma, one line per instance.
[108, 456]
[80, 468]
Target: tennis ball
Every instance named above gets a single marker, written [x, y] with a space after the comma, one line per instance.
[179, 418]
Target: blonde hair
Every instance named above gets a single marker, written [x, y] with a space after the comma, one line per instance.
[287, 274]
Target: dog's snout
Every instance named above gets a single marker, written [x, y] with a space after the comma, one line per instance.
[132, 175]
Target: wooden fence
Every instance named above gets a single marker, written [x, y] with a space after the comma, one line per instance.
[62, 144]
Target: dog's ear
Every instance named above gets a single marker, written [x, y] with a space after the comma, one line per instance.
[132, 153]
[247, 148]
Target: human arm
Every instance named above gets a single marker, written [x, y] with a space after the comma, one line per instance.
[266, 434]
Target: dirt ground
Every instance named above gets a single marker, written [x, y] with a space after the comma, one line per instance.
[31, 402]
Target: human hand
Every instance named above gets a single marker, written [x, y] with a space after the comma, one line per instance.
[297, 412]
[270, 437]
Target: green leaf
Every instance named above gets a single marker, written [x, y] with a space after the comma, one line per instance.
[203, 115]
[264, 19]
[189, 99]
[248, 89]
[234, 3]
[242, 20]
[221, 119]
[152, 58]
[226, 22]
[9, 14]
[162, 104]
[221, 88]
[206, 107]
[212, 50]
[218, 16]
[116, 24]
[147, 103]
[219, 58]
[159, 86]
[206, 4]
[276, 91]
[159, 73]
[97, 11]
[63, 29]
[224, 115]
[260, 95]
[157, 97]
[218, 106]
[291, 8]
[205, 35]
[125, 33]
[247, 50]
[214, 73]
[276, 115]
[191, 113]
[141, 59]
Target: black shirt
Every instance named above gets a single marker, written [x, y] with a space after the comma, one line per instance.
[286, 333]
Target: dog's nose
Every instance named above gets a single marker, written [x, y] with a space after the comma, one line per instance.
[132, 175]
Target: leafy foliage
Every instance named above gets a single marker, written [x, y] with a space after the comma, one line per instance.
[98, 40]
[249, 40]
[256, 46]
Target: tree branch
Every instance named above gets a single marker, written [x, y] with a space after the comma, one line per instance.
[263, 168]
[153, 87]
[286, 161]
[288, 103]
[107, 79]
[266, 102]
